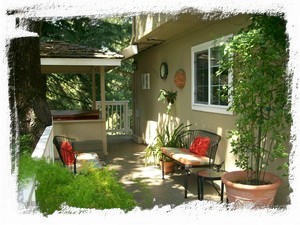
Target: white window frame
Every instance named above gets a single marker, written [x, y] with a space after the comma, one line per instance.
[145, 81]
[208, 107]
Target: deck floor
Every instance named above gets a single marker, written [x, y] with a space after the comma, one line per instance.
[145, 182]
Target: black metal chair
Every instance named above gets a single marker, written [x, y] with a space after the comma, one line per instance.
[214, 142]
[210, 154]
[58, 141]
[71, 158]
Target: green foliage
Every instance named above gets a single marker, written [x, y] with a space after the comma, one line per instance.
[168, 138]
[25, 144]
[73, 91]
[152, 154]
[167, 96]
[52, 183]
[91, 188]
[108, 34]
[69, 91]
[98, 189]
[258, 58]
[26, 170]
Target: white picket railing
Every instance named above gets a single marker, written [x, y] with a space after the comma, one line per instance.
[118, 117]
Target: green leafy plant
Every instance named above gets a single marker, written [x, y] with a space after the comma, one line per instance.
[167, 96]
[258, 57]
[56, 186]
[166, 137]
[152, 154]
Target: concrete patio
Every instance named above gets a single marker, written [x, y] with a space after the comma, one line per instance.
[145, 183]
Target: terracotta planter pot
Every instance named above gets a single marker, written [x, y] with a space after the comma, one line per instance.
[257, 196]
[168, 166]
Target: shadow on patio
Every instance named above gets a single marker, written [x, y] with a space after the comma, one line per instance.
[145, 183]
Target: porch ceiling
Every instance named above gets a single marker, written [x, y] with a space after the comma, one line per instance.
[63, 57]
[178, 25]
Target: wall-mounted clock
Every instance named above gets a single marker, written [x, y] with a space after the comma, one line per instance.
[163, 70]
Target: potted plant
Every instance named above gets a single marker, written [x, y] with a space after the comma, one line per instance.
[153, 156]
[257, 56]
[166, 137]
[167, 96]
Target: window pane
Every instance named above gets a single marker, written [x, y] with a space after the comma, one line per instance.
[215, 56]
[201, 78]
[219, 95]
[210, 92]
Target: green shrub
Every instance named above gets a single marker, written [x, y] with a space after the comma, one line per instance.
[260, 94]
[98, 189]
[91, 188]
[25, 142]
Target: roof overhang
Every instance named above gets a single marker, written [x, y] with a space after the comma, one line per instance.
[174, 27]
[129, 51]
[79, 62]
[76, 65]
[62, 57]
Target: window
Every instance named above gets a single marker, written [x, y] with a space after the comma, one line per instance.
[208, 93]
[146, 81]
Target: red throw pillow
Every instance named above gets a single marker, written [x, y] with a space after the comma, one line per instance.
[200, 145]
[67, 153]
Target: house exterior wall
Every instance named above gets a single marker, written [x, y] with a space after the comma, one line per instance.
[148, 22]
[177, 53]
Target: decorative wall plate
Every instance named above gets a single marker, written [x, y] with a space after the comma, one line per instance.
[179, 78]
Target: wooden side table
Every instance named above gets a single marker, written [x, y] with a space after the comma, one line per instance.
[211, 175]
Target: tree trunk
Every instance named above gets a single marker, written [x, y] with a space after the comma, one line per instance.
[30, 113]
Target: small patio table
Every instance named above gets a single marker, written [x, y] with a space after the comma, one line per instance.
[211, 175]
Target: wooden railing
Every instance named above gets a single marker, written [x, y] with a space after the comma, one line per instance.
[118, 117]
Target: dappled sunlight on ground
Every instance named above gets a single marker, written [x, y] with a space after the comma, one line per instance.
[115, 167]
[146, 183]
[119, 159]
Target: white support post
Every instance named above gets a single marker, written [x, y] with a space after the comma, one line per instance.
[93, 89]
[103, 110]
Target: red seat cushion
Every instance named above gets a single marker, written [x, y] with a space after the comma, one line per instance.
[200, 146]
[67, 153]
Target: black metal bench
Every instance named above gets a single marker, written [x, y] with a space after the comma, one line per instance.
[188, 160]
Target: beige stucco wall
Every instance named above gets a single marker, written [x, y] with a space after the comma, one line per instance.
[148, 22]
[177, 53]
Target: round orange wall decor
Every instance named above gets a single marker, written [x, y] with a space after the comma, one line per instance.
[179, 78]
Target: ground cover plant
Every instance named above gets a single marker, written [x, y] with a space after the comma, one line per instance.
[56, 186]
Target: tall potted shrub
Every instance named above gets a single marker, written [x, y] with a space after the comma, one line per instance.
[257, 57]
